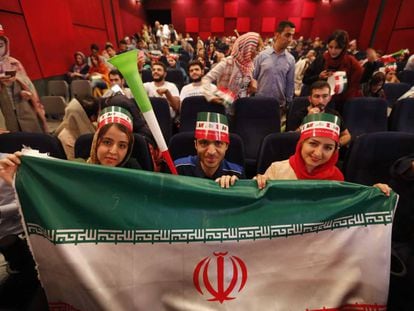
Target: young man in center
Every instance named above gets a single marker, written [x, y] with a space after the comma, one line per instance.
[211, 143]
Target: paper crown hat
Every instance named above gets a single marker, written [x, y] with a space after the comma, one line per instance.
[212, 126]
[320, 125]
[338, 82]
[115, 114]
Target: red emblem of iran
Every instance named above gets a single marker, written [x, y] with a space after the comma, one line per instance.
[221, 275]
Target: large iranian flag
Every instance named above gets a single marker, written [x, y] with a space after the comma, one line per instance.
[119, 239]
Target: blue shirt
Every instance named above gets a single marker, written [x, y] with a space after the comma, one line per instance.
[190, 166]
[275, 75]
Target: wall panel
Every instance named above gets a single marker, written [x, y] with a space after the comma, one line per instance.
[88, 13]
[51, 31]
[10, 5]
[20, 43]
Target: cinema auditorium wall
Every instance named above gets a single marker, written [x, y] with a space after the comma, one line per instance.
[45, 33]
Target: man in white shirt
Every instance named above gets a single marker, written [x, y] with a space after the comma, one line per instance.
[161, 88]
[195, 72]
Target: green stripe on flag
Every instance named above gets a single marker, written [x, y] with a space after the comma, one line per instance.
[70, 202]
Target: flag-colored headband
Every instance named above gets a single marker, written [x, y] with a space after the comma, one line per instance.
[212, 126]
[115, 114]
[320, 125]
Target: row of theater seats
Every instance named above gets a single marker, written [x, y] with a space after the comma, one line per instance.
[256, 117]
[368, 160]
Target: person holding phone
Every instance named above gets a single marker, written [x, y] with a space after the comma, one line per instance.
[337, 59]
[20, 106]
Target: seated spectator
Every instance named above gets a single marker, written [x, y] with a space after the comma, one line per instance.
[371, 64]
[410, 63]
[110, 49]
[353, 50]
[111, 146]
[123, 47]
[98, 75]
[161, 88]
[80, 69]
[138, 122]
[113, 140]
[319, 99]
[76, 122]
[315, 156]
[165, 54]
[173, 64]
[196, 73]
[375, 86]
[211, 143]
[116, 78]
[391, 74]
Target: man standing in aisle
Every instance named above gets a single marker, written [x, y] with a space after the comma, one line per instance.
[275, 67]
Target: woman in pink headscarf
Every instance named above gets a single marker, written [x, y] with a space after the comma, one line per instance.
[233, 75]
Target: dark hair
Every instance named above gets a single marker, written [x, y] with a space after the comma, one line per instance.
[376, 78]
[94, 46]
[159, 64]
[341, 37]
[283, 24]
[116, 72]
[317, 85]
[109, 45]
[122, 42]
[91, 106]
[195, 63]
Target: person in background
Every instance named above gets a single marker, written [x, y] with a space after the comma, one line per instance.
[117, 79]
[337, 59]
[235, 72]
[196, 73]
[391, 73]
[16, 87]
[173, 64]
[98, 75]
[353, 50]
[78, 120]
[410, 63]
[371, 64]
[375, 86]
[110, 49]
[300, 69]
[319, 98]
[211, 143]
[79, 70]
[161, 88]
[123, 47]
[274, 69]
